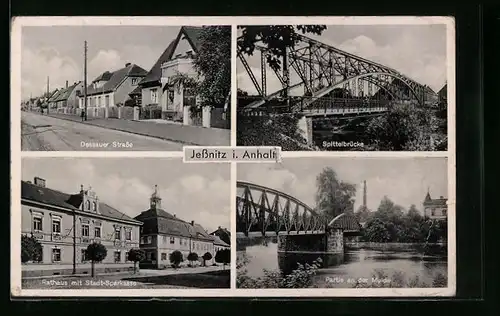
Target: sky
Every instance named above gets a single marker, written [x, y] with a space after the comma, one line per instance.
[404, 180]
[191, 191]
[57, 52]
[417, 51]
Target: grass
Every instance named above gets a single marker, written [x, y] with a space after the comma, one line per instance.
[213, 279]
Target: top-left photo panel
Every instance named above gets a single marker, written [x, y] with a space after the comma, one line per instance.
[98, 87]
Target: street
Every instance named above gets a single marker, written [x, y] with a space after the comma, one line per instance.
[43, 133]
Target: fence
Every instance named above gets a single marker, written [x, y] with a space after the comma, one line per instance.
[150, 112]
[220, 119]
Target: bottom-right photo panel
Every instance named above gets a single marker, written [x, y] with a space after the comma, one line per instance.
[343, 222]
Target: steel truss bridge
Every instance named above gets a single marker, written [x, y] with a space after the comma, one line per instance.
[262, 211]
[323, 70]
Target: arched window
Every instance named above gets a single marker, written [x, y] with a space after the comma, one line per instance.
[94, 206]
[88, 205]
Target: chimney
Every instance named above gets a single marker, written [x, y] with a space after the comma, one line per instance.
[66, 84]
[81, 189]
[192, 223]
[39, 182]
[175, 216]
[127, 64]
[441, 197]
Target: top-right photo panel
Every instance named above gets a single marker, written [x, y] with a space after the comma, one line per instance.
[370, 87]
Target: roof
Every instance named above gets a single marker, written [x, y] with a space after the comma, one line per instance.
[137, 90]
[223, 234]
[436, 202]
[193, 35]
[54, 95]
[65, 93]
[219, 242]
[30, 191]
[115, 78]
[345, 221]
[158, 221]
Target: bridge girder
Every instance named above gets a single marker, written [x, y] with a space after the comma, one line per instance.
[273, 212]
[323, 68]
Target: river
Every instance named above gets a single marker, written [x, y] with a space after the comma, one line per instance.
[382, 265]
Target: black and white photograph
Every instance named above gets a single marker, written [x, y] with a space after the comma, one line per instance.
[124, 223]
[124, 87]
[343, 223]
[369, 87]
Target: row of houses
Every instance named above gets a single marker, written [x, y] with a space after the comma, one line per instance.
[157, 93]
[66, 223]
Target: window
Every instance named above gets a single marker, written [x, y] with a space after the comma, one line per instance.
[128, 234]
[97, 232]
[87, 205]
[37, 224]
[126, 256]
[154, 95]
[443, 212]
[172, 240]
[56, 225]
[433, 212]
[118, 256]
[94, 206]
[56, 255]
[99, 101]
[148, 240]
[118, 233]
[163, 256]
[164, 239]
[107, 100]
[85, 230]
[84, 255]
[143, 240]
[135, 81]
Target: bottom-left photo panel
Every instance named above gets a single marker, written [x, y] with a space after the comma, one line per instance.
[131, 223]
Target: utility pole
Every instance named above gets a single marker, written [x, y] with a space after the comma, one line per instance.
[74, 231]
[47, 99]
[85, 78]
[364, 193]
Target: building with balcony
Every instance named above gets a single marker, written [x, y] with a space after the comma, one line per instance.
[160, 88]
[163, 233]
[435, 208]
[65, 224]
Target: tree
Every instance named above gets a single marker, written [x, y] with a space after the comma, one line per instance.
[276, 38]
[192, 256]
[207, 256]
[376, 231]
[223, 256]
[333, 196]
[213, 64]
[363, 214]
[176, 258]
[136, 255]
[413, 213]
[31, 249]
[96, 252]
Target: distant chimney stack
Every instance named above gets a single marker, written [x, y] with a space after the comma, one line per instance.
[39, 182]
[175, 216]
[66, 84]
[127, 64]
[192, 223]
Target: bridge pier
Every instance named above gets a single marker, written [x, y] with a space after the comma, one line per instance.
[335, 241]
[306, 129]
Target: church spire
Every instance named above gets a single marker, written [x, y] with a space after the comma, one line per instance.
[428, 196]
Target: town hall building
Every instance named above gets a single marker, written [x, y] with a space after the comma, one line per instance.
[65, 224]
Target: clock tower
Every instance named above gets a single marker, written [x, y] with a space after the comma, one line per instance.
[155, 200]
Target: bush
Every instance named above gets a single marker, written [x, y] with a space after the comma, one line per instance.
[96, 252]
[31, 249]
[176, 258]
[193, 256]
[302, 277]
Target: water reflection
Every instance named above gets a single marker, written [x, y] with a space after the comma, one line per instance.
[408, 263]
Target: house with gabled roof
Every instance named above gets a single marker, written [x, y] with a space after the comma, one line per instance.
[163, 233]
[112, 89]
[67, 100]
[66, 223]
[159, 87]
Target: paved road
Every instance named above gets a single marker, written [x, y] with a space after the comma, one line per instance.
[42, 133]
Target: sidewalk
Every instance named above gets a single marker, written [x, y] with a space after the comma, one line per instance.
[189, 135]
